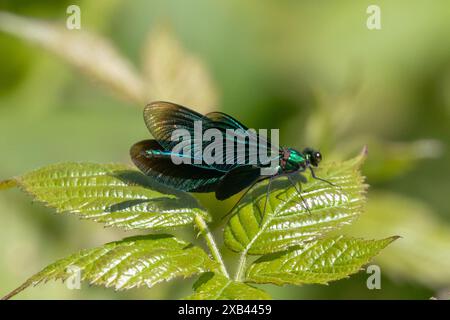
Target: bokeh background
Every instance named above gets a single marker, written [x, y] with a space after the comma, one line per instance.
[310, 68]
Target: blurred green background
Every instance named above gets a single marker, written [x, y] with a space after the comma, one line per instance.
[310, 68]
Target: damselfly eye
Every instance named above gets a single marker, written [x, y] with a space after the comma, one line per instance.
[318, 156]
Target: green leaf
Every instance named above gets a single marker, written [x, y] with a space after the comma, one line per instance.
[320, 261]
[423, 254]
[211, 286]
[286, 222]
[129, 263]
[112, 194]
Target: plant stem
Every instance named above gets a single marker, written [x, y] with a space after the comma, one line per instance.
[241, 266]
[203, 227]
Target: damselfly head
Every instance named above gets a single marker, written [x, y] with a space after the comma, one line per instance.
[313, 156]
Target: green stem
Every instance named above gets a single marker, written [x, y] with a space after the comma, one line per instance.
[203, 227]
[241, 267]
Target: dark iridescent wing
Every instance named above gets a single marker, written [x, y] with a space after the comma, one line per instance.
[153, 160]
[237, 180]
[251, 138]
[241, 137]
[162, 118]
[225, 121]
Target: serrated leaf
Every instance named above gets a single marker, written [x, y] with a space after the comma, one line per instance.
[423, 254]
[129, 263]
[211, 286]
[112, 194]
[320, 261]
[287, 222]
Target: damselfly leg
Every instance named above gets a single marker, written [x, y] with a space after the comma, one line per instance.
[294, 184]
[267, 196]
[242, 197]
[313, 174]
